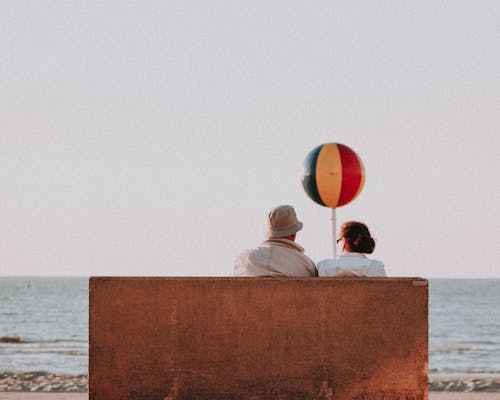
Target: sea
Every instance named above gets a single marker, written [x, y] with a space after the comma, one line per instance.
[44, 325]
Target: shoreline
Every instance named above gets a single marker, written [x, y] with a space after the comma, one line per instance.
[464, 383]
[45, 382]
[40, 381]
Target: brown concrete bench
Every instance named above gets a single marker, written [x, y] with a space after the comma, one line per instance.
[258, 338]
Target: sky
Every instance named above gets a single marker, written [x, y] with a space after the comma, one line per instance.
[152, 138]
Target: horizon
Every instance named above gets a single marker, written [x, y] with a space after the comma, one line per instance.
[231, 277]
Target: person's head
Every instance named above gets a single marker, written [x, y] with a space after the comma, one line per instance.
[282, 222]
[357, 238]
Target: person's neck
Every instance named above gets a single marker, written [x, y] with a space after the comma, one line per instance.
[291, 238]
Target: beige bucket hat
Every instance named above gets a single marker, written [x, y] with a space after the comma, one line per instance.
[282, 222]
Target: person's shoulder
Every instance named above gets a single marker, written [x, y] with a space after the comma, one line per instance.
[327, 267]
[312, 265]
[244, 255]
[376, 263]
[377, 268]
[243, 262]
[328, 262]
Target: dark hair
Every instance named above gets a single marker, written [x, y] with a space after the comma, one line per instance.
[358, 237]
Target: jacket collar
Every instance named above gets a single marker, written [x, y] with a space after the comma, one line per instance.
[285, 243]
[349, 254]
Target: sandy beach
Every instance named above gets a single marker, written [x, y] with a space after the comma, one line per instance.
[44, 386]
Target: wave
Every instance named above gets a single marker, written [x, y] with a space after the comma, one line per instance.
[465, 371]
[29, 340]
[73, 352]
[10, 339]
[21, 340]
[482, 342]
[462, 349]
[465, 384]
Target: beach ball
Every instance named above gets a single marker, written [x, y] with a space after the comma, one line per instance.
[333, 175]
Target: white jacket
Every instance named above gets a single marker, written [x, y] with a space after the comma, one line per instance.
[275, 257]
[351, 264]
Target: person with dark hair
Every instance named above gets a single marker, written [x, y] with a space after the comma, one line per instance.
[356, 242]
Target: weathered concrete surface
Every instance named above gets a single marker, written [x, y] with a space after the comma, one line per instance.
[258, 338]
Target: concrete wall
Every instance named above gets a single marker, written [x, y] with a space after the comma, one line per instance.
[258, 338]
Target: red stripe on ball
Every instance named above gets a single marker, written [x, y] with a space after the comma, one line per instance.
[352, 172]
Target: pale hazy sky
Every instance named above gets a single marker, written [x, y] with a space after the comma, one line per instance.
[152, 137]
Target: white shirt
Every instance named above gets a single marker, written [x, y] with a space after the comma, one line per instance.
[351, 264]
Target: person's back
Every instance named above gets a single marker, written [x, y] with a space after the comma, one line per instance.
[353, 262]
[279, 255]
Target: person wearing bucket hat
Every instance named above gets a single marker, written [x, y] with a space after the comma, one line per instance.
[278, 255]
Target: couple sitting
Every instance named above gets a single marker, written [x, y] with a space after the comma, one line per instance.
[279, 255]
